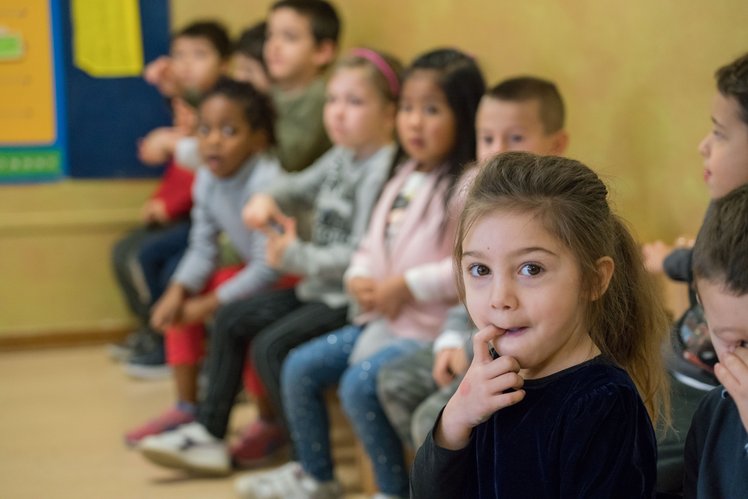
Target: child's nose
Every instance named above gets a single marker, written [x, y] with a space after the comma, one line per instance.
[213, 137]
[704, 147]
[502, 296]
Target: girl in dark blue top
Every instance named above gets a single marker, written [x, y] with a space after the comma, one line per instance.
[569, 345]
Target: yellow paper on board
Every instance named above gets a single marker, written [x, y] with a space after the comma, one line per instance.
[27, 101]
[107, 40]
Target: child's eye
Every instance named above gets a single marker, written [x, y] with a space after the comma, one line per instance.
[478, 270]
[530, 269]
[355, 101]
[290, 37]
[718, 134]
[432, 110]
[228, 131]
[517, 138]
[488, 140]
[203, 130]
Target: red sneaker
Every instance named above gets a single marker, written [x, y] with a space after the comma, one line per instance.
[260, 442]
[165, 422]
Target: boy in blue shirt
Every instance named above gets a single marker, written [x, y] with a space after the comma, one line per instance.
[716, 453]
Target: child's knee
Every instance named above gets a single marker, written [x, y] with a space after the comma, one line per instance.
[357, 387]
[295, 367]
[388, 384]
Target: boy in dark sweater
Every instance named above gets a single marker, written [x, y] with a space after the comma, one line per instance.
[716, 453]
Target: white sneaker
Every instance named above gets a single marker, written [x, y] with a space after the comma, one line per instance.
[191, 448]
[289, 481]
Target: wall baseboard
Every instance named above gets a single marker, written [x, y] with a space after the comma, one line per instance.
[61, 339]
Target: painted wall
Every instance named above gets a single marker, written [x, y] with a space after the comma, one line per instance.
[636, 76]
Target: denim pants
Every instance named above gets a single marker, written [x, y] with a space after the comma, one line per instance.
[321, 363]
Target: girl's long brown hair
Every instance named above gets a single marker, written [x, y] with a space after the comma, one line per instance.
[628, 323]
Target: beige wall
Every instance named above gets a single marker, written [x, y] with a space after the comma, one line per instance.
[636, 75]
[55, 241]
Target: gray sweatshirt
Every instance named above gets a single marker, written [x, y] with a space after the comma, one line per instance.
[341, 194]
[218, 204]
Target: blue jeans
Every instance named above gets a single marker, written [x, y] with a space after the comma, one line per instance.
[321, 363]
[160, 254]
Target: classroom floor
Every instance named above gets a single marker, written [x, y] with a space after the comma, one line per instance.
[62, 416]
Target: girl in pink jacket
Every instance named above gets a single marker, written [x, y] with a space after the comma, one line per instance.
[401, 281]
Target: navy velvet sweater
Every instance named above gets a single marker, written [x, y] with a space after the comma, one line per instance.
[716, 451]
[580, 433]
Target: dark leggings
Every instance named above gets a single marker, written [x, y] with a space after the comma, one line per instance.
[270, 324]
[160, 254]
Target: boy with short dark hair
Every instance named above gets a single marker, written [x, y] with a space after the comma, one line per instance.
[717, 444]
[145, 258]
[725, 153]
[248, 59]
[301, 42]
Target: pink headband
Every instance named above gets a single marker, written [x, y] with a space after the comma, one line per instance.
[382, 65]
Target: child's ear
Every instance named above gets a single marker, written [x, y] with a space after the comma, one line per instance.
[560, 142]
[605, 267]
[324, 53]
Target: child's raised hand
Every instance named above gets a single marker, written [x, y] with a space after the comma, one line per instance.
[158, 146]
[159, 74]
[390, 296]
[654, 256]
[185, 117]
[482, 392]
[280, 235]
[168, 309]
[732, 372]
[362, 289]
[448, 364]
[259, 211]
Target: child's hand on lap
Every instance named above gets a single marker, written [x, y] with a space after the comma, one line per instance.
[390, 295]
[198, 308]
[363, 290]
[732, 372]
[154, 211]
[481, 392]
[448, 364]
[168, 309]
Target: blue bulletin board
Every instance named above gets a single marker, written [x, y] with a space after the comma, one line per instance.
[107, 114]
[80, 103]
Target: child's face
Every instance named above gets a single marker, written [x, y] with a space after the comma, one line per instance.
[426, 124]
[725, 148]
[503, 125]
[225, 138]
[523, 281]
[291, 53]
[249, 70]
[726, 316]
[196, 63]
[356, 116]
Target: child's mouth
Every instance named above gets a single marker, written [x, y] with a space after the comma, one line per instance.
[515, 330]
[213, 161]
